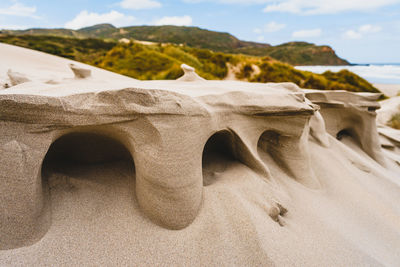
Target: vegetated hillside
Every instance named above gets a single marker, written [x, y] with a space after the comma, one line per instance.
[162, 61]
[190, 36]
[394, 121]
[104, 31]
[60, 32]
[298, 53]
[84, 50]
[295, 53]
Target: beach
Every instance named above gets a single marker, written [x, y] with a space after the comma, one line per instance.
[389, 90]
[293, 196]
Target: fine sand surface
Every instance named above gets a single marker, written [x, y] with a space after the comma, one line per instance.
[348, 216]
[352, 220]
[389, 107]
[388, 89]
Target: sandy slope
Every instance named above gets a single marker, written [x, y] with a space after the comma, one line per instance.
[389, 107]
[351, 218]
[388, 89]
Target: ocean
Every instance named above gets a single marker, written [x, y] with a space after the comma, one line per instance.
[374, 73]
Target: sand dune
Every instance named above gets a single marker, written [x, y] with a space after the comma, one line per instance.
[389, 89]
[107, 170]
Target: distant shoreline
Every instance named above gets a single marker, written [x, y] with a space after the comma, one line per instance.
[375, 73]
[353, 64]
[374, 64]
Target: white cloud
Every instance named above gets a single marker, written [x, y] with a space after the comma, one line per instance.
[84, 19]
[260, 38]
[140, 4]
[351, 34]
[245, 2]
[270, 27]
[361, 31]
[307, 33]
[368, 28]
[20, 10]
[257, 30]
[175, 20]
[310, 7]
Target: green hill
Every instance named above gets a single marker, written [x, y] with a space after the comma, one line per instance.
[84, 50]
[298, 53]
[162, 61]
[98, 31]
[295, 53]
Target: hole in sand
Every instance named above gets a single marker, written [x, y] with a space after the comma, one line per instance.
[89, 176]
[283, 152]
[343, 133]
[349, 137]
[217, 155]
[270, 142]
[86, 148]
[270, 146]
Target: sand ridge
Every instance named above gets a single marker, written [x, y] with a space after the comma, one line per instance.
[115, 171]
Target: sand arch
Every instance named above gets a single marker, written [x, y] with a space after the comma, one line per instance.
[87, 147]
[274, 144]
[354, 113]
[269, 141]
[290, 152]
[80, 161]
[218, 151]
[166, 125]
[348, 132]
[83, 149]
[221, 149]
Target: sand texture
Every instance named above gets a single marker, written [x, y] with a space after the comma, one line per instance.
[388, 89]
[98, 169]
[389, 107]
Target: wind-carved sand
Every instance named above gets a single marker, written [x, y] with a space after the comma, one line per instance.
[102, 169]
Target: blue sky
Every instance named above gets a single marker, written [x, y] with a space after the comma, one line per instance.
[361, 31]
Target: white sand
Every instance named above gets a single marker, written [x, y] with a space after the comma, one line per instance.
[389, 107]
[353, 220]
[349, 217]
[388, 89]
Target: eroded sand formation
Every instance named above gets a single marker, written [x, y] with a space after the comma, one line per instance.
[247, 173]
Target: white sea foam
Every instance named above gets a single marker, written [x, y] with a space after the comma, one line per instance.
[379, 73]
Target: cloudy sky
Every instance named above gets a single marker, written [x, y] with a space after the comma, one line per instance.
[362, 31]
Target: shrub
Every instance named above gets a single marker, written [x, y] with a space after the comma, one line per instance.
[394, 121]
